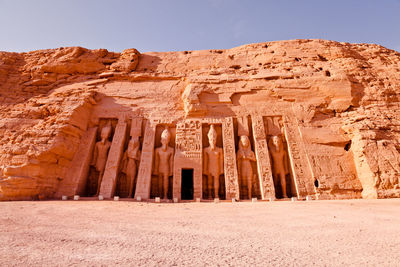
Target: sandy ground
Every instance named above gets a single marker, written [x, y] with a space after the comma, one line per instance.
[106, 233]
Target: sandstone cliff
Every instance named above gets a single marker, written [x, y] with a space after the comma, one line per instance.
[344, 99]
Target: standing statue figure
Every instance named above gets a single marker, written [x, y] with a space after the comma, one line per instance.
[213, 165]
[100, 155]
[131, 162]
[245, 157]
[164, 160]
[279, 162]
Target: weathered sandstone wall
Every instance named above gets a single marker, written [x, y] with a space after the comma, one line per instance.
[336, 104]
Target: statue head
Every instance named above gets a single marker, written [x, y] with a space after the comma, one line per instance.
[212, 136]
[135, 141]
[165, 136]
[106, 131]
[276, 141]
[244, 142]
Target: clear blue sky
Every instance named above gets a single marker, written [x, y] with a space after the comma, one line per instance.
[173, 25]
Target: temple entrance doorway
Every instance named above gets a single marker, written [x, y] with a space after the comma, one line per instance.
[187, 184]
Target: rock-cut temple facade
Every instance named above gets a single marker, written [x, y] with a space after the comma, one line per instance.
[299, 118]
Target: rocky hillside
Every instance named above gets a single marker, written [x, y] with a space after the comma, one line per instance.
[345, 98]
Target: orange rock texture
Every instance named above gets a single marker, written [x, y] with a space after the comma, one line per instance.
[337, 105]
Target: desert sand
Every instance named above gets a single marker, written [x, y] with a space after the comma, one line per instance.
[126, 233]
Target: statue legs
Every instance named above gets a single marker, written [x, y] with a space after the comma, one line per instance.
[163, 186]
[283, 184]
[216, 187]
[165, 182]
[99, 183]
[209, 185]
[131, 175]
[160, 184]
[249, 184]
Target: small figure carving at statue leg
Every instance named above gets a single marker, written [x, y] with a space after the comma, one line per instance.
[164, 163]
[245, 157]
[279, 162]
[100, 155]
[213, 162]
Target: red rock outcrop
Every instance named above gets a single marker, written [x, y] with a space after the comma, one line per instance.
[341, 98]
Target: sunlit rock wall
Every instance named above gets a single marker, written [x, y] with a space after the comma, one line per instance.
[340, 100]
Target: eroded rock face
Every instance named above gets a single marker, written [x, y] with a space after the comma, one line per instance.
[335, 106]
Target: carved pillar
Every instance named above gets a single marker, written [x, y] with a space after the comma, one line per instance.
[263, 161]
[109, 181]
[230, 167]
[76, 176]
[146, 162]
[298, 158]
[177, 181]
[188, 154]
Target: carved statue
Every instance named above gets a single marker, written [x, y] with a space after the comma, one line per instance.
[100, 155]
[245, 156]
[279, 161]
[131, 161]
[213, 165]
[164, 158]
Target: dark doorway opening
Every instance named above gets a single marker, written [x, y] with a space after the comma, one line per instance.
[187, 184]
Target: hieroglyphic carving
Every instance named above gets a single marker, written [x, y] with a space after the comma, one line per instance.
[301, 170]
[230, 167]
[216, 120]
[109, 181]
[263, 161]
[188, 154]
[146, 162]
[188, 139]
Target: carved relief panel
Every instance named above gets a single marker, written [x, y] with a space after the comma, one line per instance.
[335, 174]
